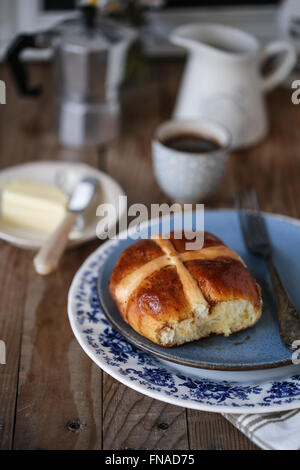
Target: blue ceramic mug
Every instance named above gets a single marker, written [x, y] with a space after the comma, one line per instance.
[185, 176]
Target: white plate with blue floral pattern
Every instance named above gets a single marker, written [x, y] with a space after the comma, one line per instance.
[254, 391]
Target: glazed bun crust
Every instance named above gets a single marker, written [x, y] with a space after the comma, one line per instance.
[172, 296]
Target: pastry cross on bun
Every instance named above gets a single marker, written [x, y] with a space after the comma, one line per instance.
[172, 296]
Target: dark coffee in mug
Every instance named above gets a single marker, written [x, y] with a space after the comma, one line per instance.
[192, 143]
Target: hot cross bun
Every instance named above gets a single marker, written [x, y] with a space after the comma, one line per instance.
[172, 296]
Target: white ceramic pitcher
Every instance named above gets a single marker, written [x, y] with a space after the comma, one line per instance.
[223, 82]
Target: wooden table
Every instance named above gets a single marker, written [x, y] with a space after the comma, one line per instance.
[52, 396]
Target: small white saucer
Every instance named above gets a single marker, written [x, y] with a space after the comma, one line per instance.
[65, 175]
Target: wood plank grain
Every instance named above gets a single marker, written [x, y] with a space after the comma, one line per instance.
[59, 402]
[14, 267]
[134, 421]
[129, 157]
[13, 274]
[59, 394]
[273, 166]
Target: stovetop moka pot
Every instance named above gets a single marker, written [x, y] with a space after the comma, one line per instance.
[89, 59]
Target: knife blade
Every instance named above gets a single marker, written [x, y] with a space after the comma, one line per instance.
[83, 194]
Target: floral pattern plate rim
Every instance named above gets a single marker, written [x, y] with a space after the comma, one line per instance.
[148, 375]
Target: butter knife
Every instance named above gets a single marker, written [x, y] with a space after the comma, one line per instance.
[49, 255]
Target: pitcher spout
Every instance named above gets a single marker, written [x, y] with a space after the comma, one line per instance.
[215, 39]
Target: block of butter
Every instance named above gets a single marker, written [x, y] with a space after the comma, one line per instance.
[33, 205]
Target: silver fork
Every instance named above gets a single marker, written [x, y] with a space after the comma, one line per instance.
[258, 242]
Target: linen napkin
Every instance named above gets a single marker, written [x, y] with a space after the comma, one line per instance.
[270, 431]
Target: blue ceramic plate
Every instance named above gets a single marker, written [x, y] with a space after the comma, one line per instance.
[249, 391]
[258, 347]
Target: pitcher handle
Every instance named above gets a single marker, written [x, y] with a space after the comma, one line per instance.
[283, 69]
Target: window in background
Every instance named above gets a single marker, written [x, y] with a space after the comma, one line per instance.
[51, 5]
[58, 5]
[211, 3]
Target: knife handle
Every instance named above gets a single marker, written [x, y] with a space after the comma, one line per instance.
[289, 319]
[48, 257]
